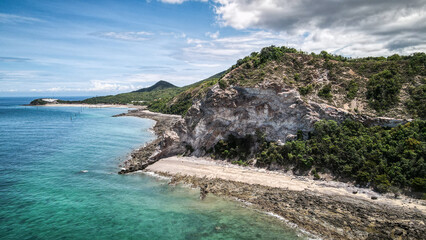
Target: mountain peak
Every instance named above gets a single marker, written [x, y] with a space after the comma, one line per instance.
[157, 86]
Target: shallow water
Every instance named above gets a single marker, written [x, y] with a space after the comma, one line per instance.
[44, 194]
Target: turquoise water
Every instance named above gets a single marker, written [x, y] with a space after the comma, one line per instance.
[44, 194]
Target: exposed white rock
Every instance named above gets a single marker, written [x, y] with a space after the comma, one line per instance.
[277, 113]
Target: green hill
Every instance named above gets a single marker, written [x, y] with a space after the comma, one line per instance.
[160, 85]
[161, 97]
[391, 86]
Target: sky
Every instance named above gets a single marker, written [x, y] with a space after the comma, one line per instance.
[92, 48]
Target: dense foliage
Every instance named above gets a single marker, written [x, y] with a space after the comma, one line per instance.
[325, 92]
[305, 90]
[183, 100]
[158, 86]
[383, 89]
[352, 89]
[238, 149]
[38, 101]
[377, 156]
[162, 97]
[417, 102]
[390, 85]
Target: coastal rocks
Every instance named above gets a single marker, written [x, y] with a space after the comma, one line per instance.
[329, 216]
[278, 113]
[166, 144]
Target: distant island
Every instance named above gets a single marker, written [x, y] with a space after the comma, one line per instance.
[358, 121]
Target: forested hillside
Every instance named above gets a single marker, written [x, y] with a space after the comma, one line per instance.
[391, 86]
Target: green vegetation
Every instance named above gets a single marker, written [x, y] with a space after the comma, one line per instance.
[417, 103]
[162, 97]
[382, 90]
[160, 85]
[234, 148]
[386, 158]
[352, 89]
[305, 90]
[38, 101]
[378, 81]
[369, 155]
[325, 92]
[183, 99]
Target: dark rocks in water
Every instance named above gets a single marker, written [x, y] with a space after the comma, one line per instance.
[330, 216]
[203, 191]
[355, 192]
[374, 197]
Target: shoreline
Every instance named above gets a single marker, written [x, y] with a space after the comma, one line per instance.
[328, 209]
[326, 216]
[150, 152]
[87, 105]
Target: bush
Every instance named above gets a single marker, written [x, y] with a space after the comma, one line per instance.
[38, 101]
[306, 90]
[222, 84]
[352, 89]
[382, 157]
[325, 92]
[382, 90]
[296, 77]
[417, 103]
[419, 184]
[234, 147]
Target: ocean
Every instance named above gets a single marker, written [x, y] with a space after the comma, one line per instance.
[58, 180]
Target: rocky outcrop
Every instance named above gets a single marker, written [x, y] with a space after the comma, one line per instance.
[331, 217]
[166, 144]
[276, 112]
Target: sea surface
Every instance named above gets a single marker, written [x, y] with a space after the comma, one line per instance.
[45, 195]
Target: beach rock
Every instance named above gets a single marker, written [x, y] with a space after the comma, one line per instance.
[329, 216]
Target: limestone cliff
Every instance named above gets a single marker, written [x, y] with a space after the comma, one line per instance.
[277, 112]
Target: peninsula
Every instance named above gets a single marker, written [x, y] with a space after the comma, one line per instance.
[334, 145]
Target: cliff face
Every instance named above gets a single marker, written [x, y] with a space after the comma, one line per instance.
[273, 110]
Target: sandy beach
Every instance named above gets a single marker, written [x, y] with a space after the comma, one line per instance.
[204, 167]
[329, 209]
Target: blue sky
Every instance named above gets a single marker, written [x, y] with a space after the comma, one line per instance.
[87, 48]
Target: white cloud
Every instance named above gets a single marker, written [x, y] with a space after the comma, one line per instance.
[173, 1]
[174, 34]
[351, 27]
[223, 51]
[126, 36]
[11, 18]
[213, 35]
[179, 1]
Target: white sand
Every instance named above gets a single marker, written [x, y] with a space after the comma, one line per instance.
[90, 105]
[201, 167]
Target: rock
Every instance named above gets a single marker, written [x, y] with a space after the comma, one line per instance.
[278, 113]
[354, 192]
[320, 214]
[374, 197]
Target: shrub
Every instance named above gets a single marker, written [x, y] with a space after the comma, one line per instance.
[376, 156]
[325, 92]
[305, 90]
[352, 89]
[382, 90]
[222, 84]
[417, 102]
[296, 77]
